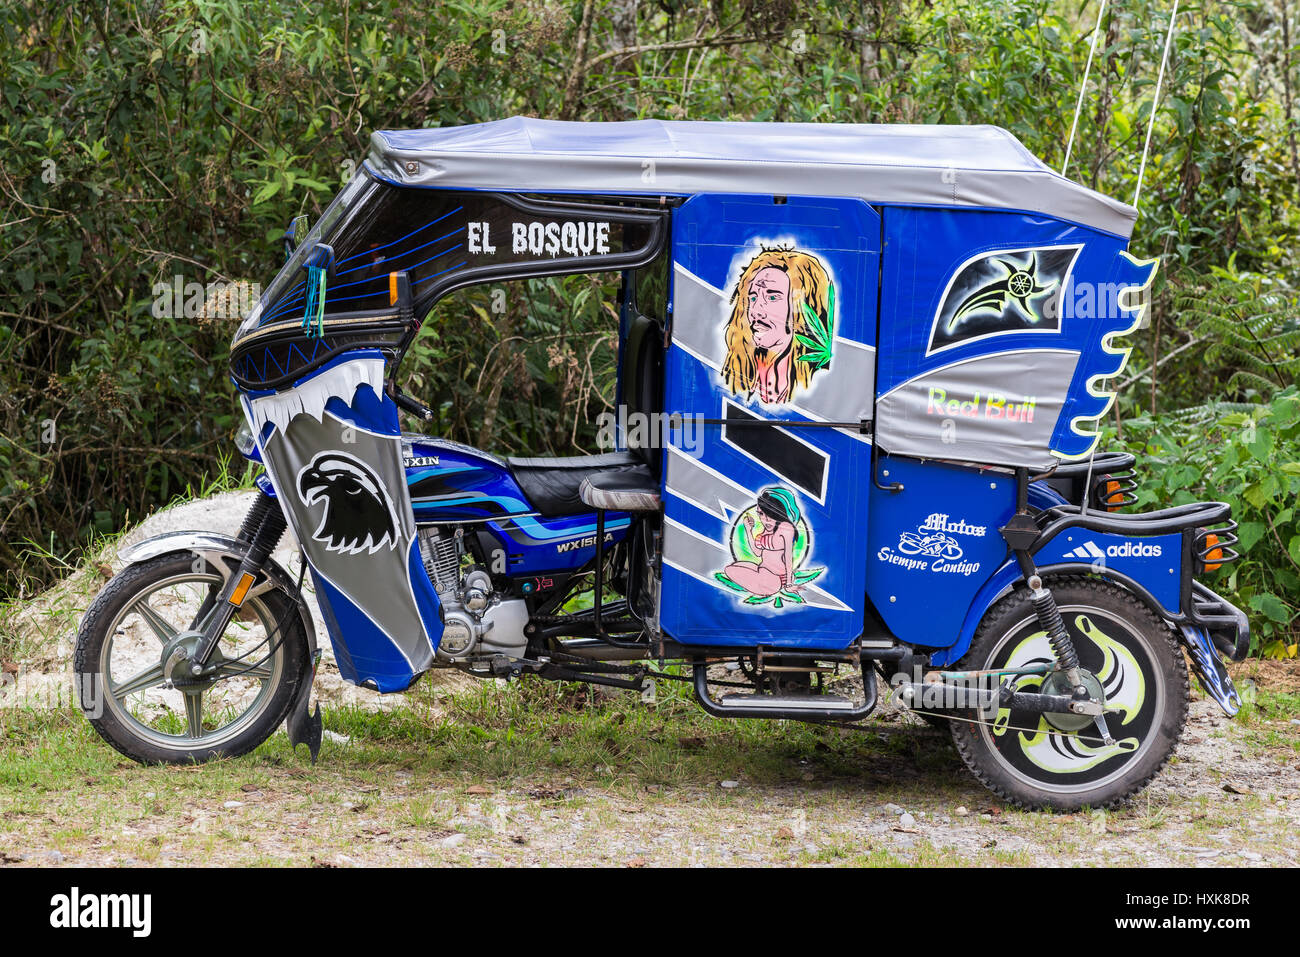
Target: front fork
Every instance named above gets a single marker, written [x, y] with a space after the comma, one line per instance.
[262, 530]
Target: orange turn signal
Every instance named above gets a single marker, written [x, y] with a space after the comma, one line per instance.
[1114, 497]
[1213, 556]
[392, 288]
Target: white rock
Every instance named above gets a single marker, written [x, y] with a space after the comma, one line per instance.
[730, 784]
[906, 820]
[893, 809]
[962, 811]
[453, 840]
[1251, 855]
[336, 737]
[231, 805]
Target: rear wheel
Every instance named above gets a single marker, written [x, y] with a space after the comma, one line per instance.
[133, 675]
[1037, 760]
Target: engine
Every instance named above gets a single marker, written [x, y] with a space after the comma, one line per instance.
[478, 621]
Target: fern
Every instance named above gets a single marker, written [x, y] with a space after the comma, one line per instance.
[1253, 325]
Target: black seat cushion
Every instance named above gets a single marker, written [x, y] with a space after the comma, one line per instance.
[553, 486]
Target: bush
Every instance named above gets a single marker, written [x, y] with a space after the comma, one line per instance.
[1248, 456]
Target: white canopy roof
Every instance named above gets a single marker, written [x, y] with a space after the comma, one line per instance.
[961, 166]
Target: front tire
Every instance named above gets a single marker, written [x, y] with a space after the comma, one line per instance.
[141, 709]
[1026, 760]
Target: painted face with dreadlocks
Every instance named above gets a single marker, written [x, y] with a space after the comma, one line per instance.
[781, 326]
[769, 323]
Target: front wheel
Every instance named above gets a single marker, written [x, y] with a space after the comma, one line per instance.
[1037, 760]
[132, 672]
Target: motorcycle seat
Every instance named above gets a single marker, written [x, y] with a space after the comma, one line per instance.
[629, 491]
[553, 485]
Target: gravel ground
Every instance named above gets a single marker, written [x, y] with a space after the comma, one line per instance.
[1230, 797]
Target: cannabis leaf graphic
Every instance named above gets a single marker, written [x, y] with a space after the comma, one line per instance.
[819, 343]
[780, 598]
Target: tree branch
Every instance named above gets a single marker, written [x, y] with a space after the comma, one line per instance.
[573, 86]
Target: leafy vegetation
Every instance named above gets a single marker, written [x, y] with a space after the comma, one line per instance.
[1248, 455]
[152, 152]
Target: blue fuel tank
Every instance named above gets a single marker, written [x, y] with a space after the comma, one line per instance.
[449, 482]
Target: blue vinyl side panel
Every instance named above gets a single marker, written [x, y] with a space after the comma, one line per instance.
[934, 544]
[998, 331]
[774, 314]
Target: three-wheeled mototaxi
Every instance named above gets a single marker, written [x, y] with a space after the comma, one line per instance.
[860, 371]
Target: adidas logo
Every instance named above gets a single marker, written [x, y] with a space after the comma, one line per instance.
[1090, 551]
[1087, 551]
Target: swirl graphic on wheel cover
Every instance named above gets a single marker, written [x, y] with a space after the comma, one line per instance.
[1120, 662]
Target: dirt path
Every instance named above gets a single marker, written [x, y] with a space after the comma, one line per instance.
[521, 776]
[1229, 798]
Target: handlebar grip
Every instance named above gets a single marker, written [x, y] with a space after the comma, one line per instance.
[416, 408]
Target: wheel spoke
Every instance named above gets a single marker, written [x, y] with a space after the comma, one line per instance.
[194, 714]
[233, 669]
[159, 625]
[205, 610]
[148, 678]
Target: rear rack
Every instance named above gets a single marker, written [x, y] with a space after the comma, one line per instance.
[1165, 521]
[1208, 536]
[1226, 624]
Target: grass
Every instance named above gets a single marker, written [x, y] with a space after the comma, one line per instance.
[1265, 723]
[493, 763]
[615, 741]
[545, 773]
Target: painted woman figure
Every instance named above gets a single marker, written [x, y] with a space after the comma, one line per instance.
[781, 326]
[772, 534]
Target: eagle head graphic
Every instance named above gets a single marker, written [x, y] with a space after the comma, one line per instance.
[359, 515]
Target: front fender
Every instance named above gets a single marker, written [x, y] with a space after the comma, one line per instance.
[216, 549]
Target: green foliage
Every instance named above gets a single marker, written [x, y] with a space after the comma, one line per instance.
[144, 141]
[1252, 325]
[1248, 456]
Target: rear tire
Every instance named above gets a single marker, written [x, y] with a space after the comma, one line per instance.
[121, 641]
[1136, 657]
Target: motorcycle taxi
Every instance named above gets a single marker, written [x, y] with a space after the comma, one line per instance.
[860, 375]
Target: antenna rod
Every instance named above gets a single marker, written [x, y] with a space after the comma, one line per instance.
[1078, 107]
[1155, 102]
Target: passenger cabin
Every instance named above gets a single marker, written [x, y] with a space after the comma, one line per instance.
[853, 330]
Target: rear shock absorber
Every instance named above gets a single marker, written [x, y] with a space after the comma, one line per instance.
[1021, 532]
[1049, 617]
